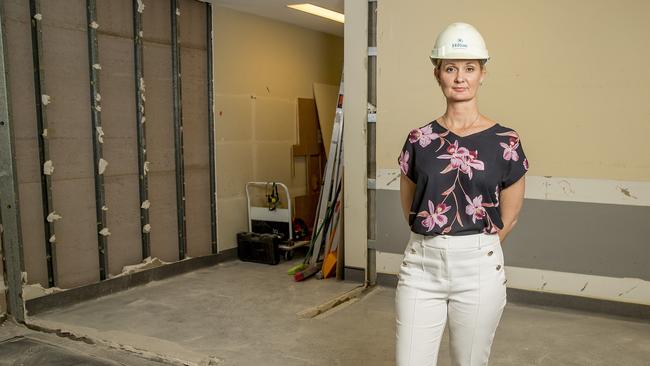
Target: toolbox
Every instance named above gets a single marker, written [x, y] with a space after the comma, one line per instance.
[260, 248]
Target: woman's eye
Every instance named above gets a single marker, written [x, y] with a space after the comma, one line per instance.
[470, 69]
[450, 69]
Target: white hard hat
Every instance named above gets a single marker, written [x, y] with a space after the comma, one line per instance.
[459, 41]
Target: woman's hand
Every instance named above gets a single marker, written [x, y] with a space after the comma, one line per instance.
[511, 200]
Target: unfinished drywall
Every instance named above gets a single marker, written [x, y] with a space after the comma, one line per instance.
[261, 68]
[195, 126]
[64, 61]
[120, 140]
[3, 285]
[28, 170]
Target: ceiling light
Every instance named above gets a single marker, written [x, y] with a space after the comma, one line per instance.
[317, 10]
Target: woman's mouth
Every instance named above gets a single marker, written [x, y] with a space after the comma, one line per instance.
[459, 89]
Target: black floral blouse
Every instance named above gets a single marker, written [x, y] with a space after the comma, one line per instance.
[458, 178]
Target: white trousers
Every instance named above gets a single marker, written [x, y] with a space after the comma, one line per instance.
[460, 278]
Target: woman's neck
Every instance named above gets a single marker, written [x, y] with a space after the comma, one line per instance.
[461, 115]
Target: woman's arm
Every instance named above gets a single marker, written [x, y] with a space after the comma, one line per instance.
[510, 201]
[406, 192]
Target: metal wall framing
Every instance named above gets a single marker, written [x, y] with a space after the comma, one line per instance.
[9, 212]
[213, 173]
[41, 100]
[178, 131]
[97, 134]
[141, 130]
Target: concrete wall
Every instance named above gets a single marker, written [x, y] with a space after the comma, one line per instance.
[261, 67]
[66, 81]
[566, 77]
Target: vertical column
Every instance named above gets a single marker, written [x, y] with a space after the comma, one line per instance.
[143, 164]
[178, 131]
[42, 100]
[9, 212]
[213, 173]
[98, 138]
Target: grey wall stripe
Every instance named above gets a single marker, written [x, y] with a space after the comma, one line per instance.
[178, 131]
[43, 143]
[575, 237]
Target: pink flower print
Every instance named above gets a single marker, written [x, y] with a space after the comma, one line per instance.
[475, 208]
[509, 152]
[435, 215]
[461, 158]
[471, 161]
[526, 164]
[404, 162]
[424, 135]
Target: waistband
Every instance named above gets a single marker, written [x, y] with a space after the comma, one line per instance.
[472, 241]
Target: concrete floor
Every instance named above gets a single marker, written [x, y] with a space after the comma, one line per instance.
[240, 313]
[20, 346]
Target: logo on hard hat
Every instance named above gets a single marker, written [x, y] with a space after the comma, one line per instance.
[459, 44]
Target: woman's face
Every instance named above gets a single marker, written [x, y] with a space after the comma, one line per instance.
[459, 79]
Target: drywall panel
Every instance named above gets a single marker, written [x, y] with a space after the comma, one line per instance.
[326, 97]
[156, 22]
[123, 221]
[69, 14]
[192, 24]
[28, 169]
[234, 168]
[232, 218]
[158, 109]
[33, 232]
[274, 162]
[116, 18]
[77, 257]
[233, 118]
[275, 120]
[160, 149]
[65, 67]
[354, 144]
[117, 86]
[162, 216]
[195, 135]
[197, 211]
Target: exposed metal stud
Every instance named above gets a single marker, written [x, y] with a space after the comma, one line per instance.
[41, 100]
[178, 131]
[213, 176]
[98, 154]
[10, 232]
[143, 181]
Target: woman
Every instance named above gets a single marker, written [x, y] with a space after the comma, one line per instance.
[461, 188]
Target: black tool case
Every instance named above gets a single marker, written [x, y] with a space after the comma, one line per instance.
[260, 248]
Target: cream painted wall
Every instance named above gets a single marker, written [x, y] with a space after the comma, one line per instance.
[261, 67]
[571, 77]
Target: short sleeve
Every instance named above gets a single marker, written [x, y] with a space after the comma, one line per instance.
[516, 163]
[406, 160]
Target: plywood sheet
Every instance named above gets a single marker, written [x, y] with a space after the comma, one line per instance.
[326, 97]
